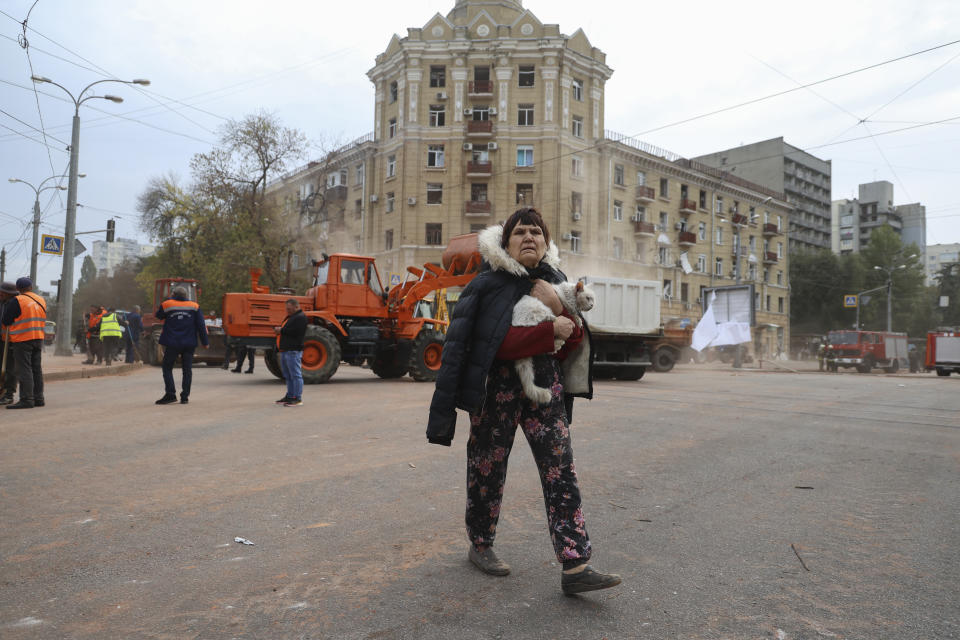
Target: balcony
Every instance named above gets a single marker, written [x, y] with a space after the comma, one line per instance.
[739, 219]
[480, 88]
[646, 194]
[686, 238]
[770, 229]
[478, 207]
[687, 206]
[644, 229]
[770, 257]
[479, 169]
[480, 127]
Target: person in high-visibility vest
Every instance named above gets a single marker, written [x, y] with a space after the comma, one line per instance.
[94, 346]
[110, 334]
[8, 291]
[25, 317]
[182, 325]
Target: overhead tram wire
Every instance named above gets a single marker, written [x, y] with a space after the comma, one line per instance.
[27, 124]
[23, 135]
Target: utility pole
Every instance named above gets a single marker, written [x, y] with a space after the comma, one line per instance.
[3, 264]
[34, 250]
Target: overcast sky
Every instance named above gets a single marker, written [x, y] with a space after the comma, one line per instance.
[306, 62]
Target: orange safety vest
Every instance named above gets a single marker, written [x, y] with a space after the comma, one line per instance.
[178, 305]
[33, 317]
[92, 322]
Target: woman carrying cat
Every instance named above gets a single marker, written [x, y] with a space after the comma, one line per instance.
[478, 376]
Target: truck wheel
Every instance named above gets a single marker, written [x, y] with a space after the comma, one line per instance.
[272, 359]
[425, 356]
[893, 368]
[943, 372]
[321, 355]
[630, 373]
[389, 363]
[866, 366]
[663, 359]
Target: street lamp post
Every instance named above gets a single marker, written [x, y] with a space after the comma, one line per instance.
[889, 271]
[65, 307]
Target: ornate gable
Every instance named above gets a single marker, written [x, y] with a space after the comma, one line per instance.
[438, 28]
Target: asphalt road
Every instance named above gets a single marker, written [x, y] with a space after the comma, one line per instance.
[750, 505]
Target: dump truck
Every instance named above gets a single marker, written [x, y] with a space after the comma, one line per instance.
[627, 334]
[353, 318]
[151, 351]
[943, 352]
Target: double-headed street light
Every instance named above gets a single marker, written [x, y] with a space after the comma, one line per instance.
[36, 217]
[889, 271]
[65, 306]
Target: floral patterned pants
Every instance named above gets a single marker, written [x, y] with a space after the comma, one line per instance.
[545, 427]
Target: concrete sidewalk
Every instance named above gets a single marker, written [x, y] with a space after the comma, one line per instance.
[72, 367]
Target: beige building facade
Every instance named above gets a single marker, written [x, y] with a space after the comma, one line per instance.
[488, 108]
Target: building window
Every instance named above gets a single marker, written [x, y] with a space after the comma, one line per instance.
[667, 289]
[768, 303]
[618, 248]
[391, 201]
[578, 90]
[481, 113]
[702, 231]
[663, 255]
[664, 220]
[525, 194]
[756, 301]
[576, 202]
[664, 188]
[617, 210]
[358, 206]
[753, 244]
[391, 166]
[578, 126]
[576, 166]
[575, 241]
[392, 127]
[477, 227]
[703, 199]
[641, 214]
[779, 222]
[434, 233]
[766, 275]
[438, 76]
[394, 91]
[753, 272]
[435, 155]
[641, 178]
[641, 251]
[388, 240]
[525, 155]
[719, 235]
[779, 277]
[719, 205]
[526, 75]
[718, 268]
[478, 192]
[780, 305]
[702, 263]
[780, 250]
[438, 115]
[359, 173]
[618, 174]
[434, 193]
[525, 115]
[684, 292]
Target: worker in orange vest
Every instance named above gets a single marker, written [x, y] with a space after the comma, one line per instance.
[183, 325]
[94, 345]
[25, 317]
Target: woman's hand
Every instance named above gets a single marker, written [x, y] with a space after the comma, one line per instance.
[562, 327]
[546, 294]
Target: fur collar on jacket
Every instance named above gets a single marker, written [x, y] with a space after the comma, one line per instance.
[488, 242]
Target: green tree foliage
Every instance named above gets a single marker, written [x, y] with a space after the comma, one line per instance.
[884, 257]
[119, 291]
[222, 224]
[88, 272]
[948, 284]
[818, 282]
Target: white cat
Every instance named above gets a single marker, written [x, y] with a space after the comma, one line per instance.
[529, 312]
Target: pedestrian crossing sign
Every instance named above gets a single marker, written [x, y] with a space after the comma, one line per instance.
[394, 279]
[850, 302]
[51, 244]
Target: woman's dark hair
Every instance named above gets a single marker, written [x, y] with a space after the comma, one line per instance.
[524, 215]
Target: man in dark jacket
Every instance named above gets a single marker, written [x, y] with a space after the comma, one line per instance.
[134, 329]
[9, 383]
[182, 325]
[290, 337]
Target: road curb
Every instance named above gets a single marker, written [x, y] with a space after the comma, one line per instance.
[92, 372]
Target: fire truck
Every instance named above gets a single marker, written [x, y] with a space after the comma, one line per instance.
[865, 350]
[943, 352]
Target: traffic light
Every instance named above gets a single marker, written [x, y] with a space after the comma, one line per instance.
[111, 228]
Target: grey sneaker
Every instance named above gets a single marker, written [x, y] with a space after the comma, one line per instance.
[488, 562]
[587, 580]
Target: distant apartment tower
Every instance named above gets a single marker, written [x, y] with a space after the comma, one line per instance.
[107, 256]
[939, 256]
[802, 177]
[854, 220]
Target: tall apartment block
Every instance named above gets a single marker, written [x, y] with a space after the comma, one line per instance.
[486, 109]
[802, 177]
[107, 256]
[854, 220]
[939, 256]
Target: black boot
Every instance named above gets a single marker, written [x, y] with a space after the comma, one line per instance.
[23, 404]
[168, 398]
